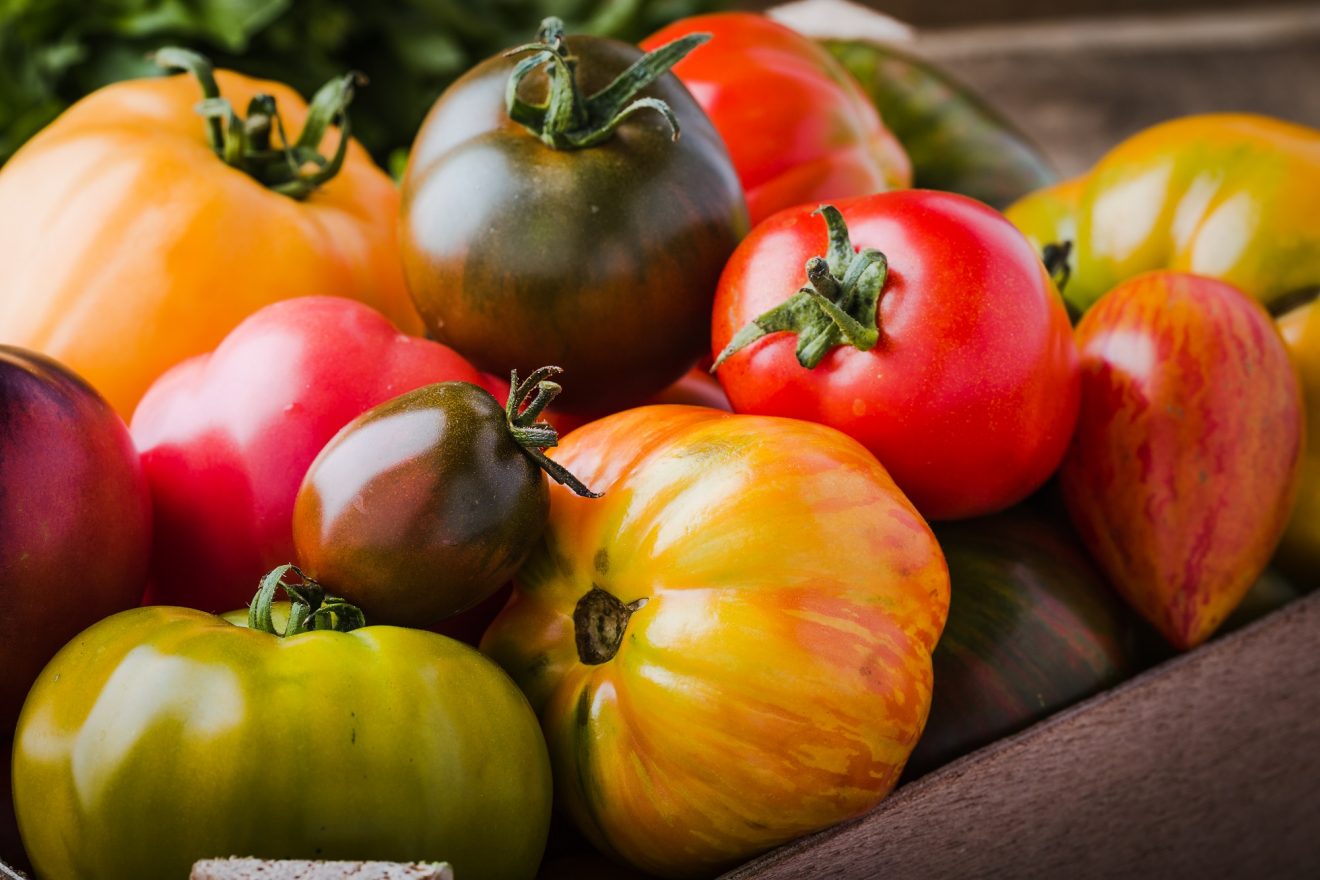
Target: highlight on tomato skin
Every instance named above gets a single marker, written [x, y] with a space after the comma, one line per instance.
[957, 369]
[1185, 463]
[652, 628]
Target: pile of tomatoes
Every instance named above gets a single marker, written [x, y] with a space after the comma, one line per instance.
[531, 554]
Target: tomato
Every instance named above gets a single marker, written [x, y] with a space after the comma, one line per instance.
[730, 648]
[1228, 195]
[1032, 628]
[227, 437]
[959, 369]
[1185, 462]
[163, 735]
[130, 244]
[799, 129]
[425, 505]
[596, 248]
[75, 516]
[1299, 550]
[956, 141]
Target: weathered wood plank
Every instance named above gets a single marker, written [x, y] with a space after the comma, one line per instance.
[1206, 766]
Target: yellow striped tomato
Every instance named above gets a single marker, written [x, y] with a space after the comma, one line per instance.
[731, 648]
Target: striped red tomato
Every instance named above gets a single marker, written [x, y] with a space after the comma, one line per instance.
[1184, 464]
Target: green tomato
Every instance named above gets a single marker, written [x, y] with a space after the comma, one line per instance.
[163, 735]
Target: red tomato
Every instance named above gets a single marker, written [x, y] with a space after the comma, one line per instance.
[75, 517]
[1185, 463]
[970, 392]
[798, 127]
[227, 437]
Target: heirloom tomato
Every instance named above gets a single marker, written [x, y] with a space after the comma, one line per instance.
[799, 129]
[942, 346]
[557, 210]
[731, 648]
[135, 233]
[75, 517]
[164, 735]
[227, 437]
[1184, 466]
[1228, 195]
[956, 141]
[1299, 551]
[425, 505]
[1032, 628]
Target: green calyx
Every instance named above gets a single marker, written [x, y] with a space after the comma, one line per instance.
[311, 608]
[257, 144]
[836, 307]
[569, 120]
[527, 400]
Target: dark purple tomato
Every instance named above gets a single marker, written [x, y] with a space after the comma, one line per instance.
[427, 504]
[75, 517]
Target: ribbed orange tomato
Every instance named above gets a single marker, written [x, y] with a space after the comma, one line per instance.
[732, 647]
[128, 243]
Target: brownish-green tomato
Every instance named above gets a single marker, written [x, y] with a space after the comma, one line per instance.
[423, 506]
[572, 205]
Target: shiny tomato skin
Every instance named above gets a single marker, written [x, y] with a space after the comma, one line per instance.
[163, 735]
[421, 507]
[969, 398]
[227, 437]
[601, 260]
[1186, 459]
[75, 517]
[798, 127]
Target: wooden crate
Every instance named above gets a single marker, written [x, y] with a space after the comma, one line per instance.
[1205, 766]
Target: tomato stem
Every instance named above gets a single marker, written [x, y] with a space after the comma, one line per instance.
[310, 608]
[1057, 257]
[599, 621]
[837, 306]
[569, 120]
[256, 144]
[527, 400]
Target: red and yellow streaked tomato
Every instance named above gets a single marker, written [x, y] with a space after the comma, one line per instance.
[1184, 465]
[731, 648]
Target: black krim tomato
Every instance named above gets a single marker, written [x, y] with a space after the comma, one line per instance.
[552, 213]
[427, 504]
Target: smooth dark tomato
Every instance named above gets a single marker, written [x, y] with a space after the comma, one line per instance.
[603, 260]
[423, 506]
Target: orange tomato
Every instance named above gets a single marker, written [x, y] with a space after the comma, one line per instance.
[731, 648]
[128, 245]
